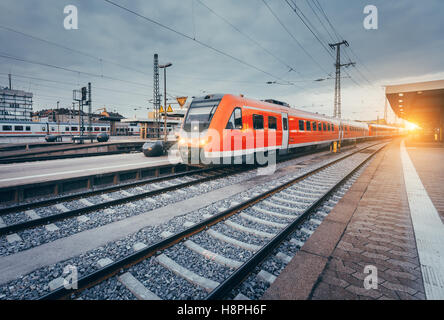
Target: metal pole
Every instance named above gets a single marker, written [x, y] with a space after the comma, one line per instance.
[89, 109]
[57, 115]
[164, 105]
[338, 65]
[80, 128]
[156, 96]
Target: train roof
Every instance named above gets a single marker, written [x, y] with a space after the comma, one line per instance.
[51, 123]
[296, 112]
[382, 126]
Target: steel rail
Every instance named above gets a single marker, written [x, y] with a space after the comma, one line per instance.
[41, 203]
[46, 202]
[113, 268]
[76, 212]
[247, 267]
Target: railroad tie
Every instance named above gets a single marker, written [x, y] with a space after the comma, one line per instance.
[188, 275]
[136, 287]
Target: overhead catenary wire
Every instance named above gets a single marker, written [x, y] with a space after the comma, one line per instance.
[339, 37]
[204, 44]
[99, 59]
[52, 43]
[70, 84]
[332, 39]
[310, 27]
[8, 56]
[294, 38]
[291, 68]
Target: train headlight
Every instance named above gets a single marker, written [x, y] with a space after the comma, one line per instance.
[203, 142]
[182, 141]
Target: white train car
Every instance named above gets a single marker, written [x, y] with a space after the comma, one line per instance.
[13, 128]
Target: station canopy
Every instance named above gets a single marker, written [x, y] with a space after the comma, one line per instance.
[421, 103]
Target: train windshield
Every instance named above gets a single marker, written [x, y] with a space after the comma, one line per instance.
[200, 112]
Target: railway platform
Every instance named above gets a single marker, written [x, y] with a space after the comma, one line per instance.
[21, 181]
[27, 152]
[387, 225]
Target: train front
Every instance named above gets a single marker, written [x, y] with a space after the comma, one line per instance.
[194, 137]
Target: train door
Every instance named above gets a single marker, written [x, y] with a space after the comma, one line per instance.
[284, 132]
[341, 131]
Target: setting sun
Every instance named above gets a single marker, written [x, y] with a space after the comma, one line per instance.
[411, 126]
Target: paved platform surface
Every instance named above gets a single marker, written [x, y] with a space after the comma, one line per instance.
[21, 263]
[370, 226]
[42, 171]
[428, 159]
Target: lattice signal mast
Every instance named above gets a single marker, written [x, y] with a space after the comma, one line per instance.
[156, 94]
[338, 65]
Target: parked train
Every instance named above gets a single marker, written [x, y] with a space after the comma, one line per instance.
[16, 128]
[220, 128]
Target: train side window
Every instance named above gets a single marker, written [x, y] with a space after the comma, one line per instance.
[308, 125]
[258, 121]
[314, 126]
[18, 128]
[328, 126]
[324, 126]
[332, 127]
[103, 129]
[28, 128]
[238, 118]
[66, 128]
[301, 125]
[285, 124]
[319, 126]
[7, 128]
[235, 121]
[272, 123]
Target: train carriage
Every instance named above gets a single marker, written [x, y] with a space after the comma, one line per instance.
[220, 128]
[17, 128]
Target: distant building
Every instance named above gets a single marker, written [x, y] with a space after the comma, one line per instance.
[69, 116]
[15, 105]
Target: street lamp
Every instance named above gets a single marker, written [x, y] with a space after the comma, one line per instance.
[57, 115]
[164, 66]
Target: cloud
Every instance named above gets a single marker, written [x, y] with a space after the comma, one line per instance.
[408, 44]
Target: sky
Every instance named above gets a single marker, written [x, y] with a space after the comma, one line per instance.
[220, 46]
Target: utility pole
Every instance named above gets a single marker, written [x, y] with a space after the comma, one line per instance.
[156, 94]
[164, 66]
[58, 117]
[338, 65]
[385, 109]
[89, 109]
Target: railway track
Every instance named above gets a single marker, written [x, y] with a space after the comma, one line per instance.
[28, 216]
[47, 211]
[210, 258]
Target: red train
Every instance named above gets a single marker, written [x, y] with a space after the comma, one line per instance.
[225, 128]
